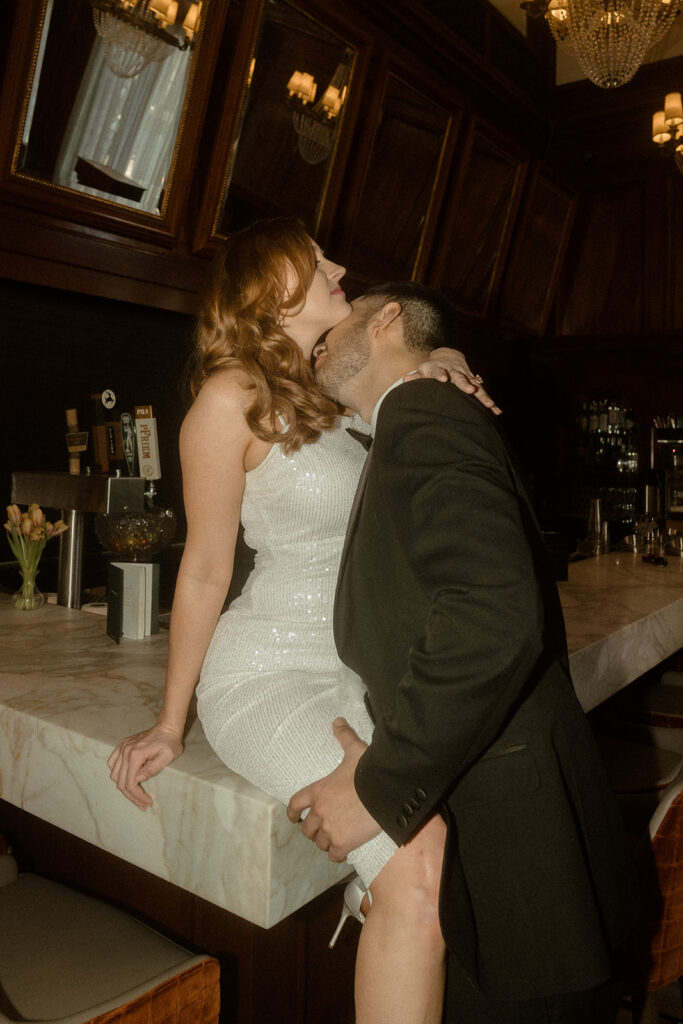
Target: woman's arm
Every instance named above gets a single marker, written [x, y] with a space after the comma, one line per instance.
[214, 440]
[449, 364]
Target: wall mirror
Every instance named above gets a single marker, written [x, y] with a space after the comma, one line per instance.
[388, 233]
[294, 106]
[107, 98]
[484, 203]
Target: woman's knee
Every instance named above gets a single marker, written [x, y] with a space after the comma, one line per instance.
[408, 886]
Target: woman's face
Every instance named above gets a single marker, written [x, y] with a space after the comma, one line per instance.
[324, 307]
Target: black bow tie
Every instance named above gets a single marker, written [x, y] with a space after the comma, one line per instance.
[357, 435]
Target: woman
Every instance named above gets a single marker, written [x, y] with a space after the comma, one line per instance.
[260, 443]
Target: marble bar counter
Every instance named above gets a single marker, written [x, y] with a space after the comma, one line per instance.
[623, 617]
[68, 694]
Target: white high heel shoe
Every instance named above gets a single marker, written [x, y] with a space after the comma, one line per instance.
[353, 897]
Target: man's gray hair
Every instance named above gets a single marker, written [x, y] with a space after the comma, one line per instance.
[428, 317]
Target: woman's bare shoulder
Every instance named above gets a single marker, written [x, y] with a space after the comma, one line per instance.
[221, 405]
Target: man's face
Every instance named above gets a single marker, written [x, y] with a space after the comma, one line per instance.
[345, 350]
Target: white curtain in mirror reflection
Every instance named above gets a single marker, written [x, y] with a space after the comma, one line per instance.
[124, 129]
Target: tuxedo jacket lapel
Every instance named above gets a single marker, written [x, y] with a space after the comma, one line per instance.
[354, 513]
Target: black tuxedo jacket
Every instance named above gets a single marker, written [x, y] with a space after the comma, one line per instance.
[446, 608]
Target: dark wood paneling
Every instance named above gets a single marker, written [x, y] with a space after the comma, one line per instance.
[478, 222]
[76, 258]
[605, 292]
[675, 239]
[540, 241]
[393, 215]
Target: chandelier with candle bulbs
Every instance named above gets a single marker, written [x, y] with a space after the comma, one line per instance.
[136, 33]
[316, 123]
[608, 38]
[667, 128]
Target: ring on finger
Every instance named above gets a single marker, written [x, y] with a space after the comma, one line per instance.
[477, 379]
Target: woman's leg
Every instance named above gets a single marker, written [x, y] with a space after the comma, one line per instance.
[401, 962]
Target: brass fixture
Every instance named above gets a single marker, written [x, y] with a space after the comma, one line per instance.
[667, 128]
[136, 33]
[316, 123]
[608, 38]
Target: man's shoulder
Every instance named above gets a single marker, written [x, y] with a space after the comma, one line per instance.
[433, 398]
[428, 415]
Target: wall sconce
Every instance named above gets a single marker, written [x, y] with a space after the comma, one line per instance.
[667, 128]
[136, 33]
[315, 123]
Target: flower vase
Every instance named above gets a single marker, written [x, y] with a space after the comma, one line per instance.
[28, 598]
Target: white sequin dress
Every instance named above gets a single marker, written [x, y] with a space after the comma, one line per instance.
[272, 683]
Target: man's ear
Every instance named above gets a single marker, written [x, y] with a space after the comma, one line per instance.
[386, 317]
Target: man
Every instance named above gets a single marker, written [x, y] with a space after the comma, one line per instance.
[446, 609]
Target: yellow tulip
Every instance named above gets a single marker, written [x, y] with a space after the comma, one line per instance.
[14, 515]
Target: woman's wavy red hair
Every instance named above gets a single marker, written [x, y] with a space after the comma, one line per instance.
[239, 326]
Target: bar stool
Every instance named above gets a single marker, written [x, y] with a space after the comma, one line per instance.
[72, 959]
[657, 945]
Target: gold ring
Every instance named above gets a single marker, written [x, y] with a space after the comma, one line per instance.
[477, 379]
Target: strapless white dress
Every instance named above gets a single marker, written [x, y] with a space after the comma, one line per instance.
[272, 683]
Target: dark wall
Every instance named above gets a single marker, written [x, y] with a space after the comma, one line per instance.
[60, 347]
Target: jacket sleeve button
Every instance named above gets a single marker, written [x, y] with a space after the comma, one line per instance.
[420, 794]
[408, 810]
[402, 821]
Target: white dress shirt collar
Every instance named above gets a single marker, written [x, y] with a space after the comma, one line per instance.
[375, 411]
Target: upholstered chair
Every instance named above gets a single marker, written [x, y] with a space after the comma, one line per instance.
[72, 959]
[657, 948]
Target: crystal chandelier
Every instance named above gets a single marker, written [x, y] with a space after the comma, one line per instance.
[315, 123]
[608, 38]
[667, 128]
[136, 33]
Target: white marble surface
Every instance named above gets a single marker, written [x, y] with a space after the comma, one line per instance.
[68, 694]
[623, 617]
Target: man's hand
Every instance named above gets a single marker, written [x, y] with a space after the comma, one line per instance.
[337, 820]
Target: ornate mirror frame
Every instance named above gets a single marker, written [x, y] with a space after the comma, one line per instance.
[23, 189]
[208, 234]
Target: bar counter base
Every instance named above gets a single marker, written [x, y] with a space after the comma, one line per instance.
[285, 973]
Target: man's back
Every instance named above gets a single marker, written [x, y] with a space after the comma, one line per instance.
[447, 610]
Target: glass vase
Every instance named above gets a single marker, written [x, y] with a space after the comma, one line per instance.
[28, 598]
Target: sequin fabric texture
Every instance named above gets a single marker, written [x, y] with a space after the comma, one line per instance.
[272, 682]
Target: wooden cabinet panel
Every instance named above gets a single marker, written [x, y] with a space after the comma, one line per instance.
[402, 184]
[531, 278]
[479, 221]
[603, 292]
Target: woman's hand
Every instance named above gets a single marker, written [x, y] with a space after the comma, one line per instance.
[448, 364]
[140, 757]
